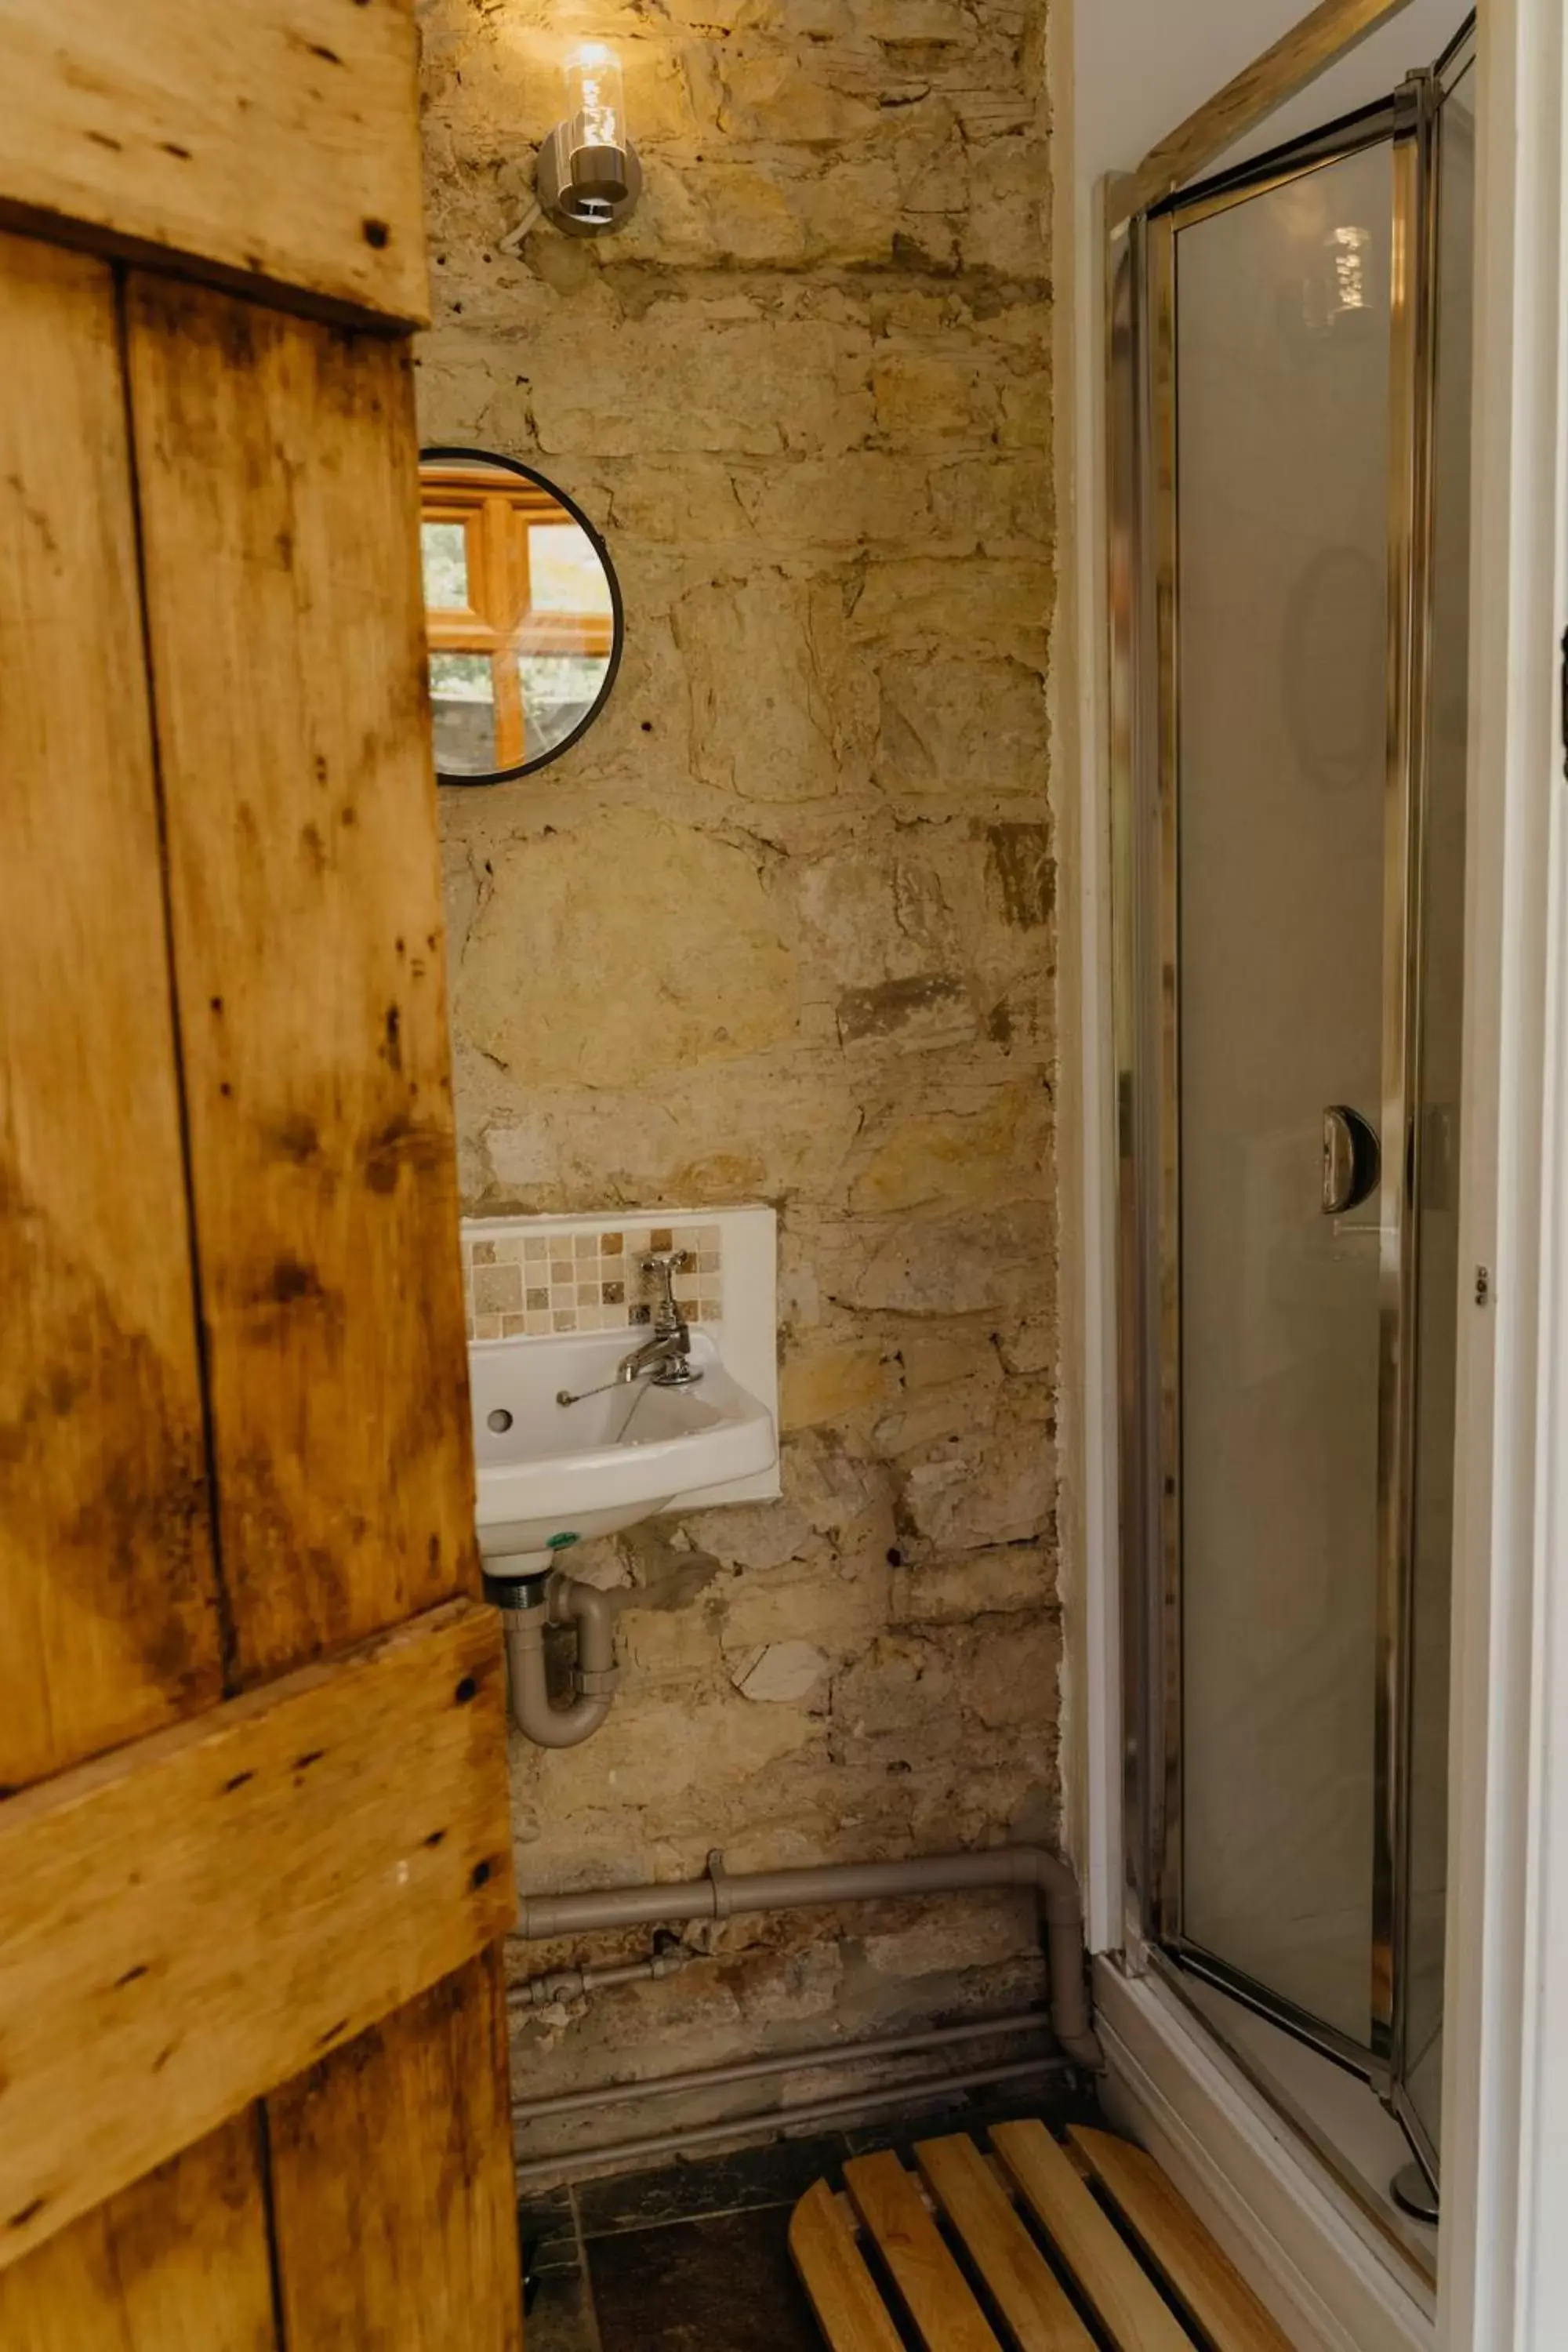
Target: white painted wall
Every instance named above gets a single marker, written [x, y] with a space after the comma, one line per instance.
[1139, 66]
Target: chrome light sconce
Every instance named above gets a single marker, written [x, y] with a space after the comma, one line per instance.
[589, 178]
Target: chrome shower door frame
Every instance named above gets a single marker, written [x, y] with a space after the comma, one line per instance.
[1144, 622]
[1418, 200]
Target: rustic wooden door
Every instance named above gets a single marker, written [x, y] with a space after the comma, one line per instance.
[253, 1854]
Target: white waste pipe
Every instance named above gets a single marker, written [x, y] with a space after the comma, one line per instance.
[720, 1896]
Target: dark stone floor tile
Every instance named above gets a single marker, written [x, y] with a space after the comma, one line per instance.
[740, 2181]
[560, 2316]
[726, 2285]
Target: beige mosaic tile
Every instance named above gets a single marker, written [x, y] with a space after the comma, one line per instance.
[498, 1289]
[585, 1278]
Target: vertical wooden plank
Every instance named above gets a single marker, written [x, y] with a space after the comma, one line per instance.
[418, 2254]
[1131, 2309]
[1207, 2281]
[849, 2311]
[178, 2262]
[1028, 2294]
[278, 472]
[278, 465]
[946, 2317]
[108, 1615]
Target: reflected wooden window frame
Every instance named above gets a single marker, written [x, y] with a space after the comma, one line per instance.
[498, 622]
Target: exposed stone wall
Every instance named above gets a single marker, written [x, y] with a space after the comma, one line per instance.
[781, 926]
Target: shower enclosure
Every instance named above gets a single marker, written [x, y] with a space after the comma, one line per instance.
[1288, 456]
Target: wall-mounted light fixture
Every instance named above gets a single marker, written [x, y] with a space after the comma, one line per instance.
[589, 177]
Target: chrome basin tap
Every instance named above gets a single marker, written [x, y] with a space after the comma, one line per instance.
[664, 1355]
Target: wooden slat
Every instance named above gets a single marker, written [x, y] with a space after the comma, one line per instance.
[279, 469]
[1291, 64]
[189, 1920]
[1135, 2315]
[108, 1623]
[392, 2185]
[276, 140]
[1030, 2296]
[1215, 2293]
[177, 2263]
[943, 2310]
[842, 2293]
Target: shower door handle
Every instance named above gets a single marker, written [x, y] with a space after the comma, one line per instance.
[1352, 1161]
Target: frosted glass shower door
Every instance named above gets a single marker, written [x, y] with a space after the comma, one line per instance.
[1279, 376]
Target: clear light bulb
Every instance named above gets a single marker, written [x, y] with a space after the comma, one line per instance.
[595, 97]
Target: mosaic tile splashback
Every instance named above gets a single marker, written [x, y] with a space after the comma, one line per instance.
[528, 1279]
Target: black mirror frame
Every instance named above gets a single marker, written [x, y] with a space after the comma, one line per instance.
[443, 452]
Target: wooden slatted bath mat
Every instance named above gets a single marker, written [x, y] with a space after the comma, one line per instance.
[951, 2260]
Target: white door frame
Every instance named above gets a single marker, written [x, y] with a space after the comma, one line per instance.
[1503, 2250]
[1503, 2261]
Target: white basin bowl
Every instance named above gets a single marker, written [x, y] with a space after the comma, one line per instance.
[548, 1473]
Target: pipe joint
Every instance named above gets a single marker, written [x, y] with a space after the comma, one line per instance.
[596, 1677]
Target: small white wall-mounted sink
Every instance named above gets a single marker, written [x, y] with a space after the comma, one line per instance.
[548, 1473]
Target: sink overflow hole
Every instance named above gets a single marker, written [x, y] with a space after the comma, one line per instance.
[498, 1420]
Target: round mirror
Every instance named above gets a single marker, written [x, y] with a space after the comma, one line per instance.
[522, 614]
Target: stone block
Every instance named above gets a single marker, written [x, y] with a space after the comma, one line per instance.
[685, 383]
[952, 1160]
[935, 1356]
[778, 712]
[902, 1684]
[928, 396]
[862, 497]
[969, 1495]
[935, 1419]
[787, 1673]
[973, 1931]
[960, 724]
[873, 915]
[998, 505]
[756, 1536]
[834, 1383]
[628, 947]
[1011, 1579]
[1009, 1673]
[837, 1610]
[825, 1482]
[666, 1752]
[979, 1262]
[1001, 604]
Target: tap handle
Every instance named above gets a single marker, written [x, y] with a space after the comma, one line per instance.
[664, 1265]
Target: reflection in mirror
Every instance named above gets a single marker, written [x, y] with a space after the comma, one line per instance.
[523, 615]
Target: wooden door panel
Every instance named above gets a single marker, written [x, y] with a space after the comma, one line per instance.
[276, 141]
[234, 1434]
[109, 1619]
[392, 2183]
[177, 2263]
[278, 466]
[195, 1918]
